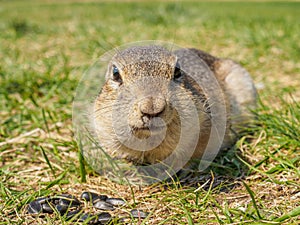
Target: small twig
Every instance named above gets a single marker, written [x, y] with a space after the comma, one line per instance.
[28, 134]
[202, 186]
[19, 138]
[237, 197]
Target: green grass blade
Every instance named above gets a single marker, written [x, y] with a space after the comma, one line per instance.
[188, 215]
[57, 180]
[81, 164]
[47, 161]
[295, 212]
[45, 120]
[251, 193]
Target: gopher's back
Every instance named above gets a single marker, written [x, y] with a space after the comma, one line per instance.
[238, 87]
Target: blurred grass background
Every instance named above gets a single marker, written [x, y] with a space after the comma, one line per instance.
[45, 46]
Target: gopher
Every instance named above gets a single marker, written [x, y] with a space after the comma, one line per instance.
[174, 107]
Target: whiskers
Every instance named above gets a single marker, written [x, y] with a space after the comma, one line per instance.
[113, 107]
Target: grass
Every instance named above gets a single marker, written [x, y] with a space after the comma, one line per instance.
[45, 48]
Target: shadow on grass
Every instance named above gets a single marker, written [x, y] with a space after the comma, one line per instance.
[222, 174]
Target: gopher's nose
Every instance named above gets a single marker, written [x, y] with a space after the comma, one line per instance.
[152, 105]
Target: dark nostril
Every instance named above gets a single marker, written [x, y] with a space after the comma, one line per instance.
[152, 106]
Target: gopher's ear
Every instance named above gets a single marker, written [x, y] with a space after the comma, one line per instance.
[240, 89]
[174, 60]
[108, 71]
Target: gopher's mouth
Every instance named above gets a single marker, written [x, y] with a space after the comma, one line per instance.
[145, 132]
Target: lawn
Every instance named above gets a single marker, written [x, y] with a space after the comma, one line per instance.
[45, 47]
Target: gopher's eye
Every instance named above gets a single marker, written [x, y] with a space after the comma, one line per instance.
[177, 72]
[116, 74]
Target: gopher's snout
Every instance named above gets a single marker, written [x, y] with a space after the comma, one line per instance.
[152, 106]
[146, 112]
